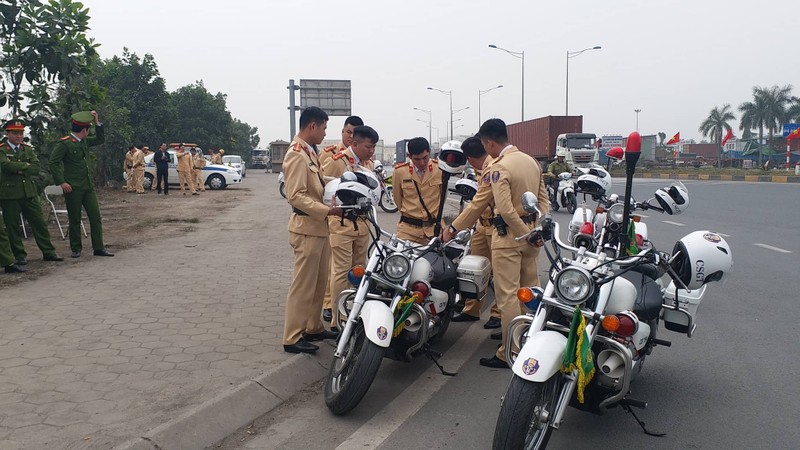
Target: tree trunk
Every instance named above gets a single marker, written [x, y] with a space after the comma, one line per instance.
[760, 138]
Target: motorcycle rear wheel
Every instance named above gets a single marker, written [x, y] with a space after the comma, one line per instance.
[572, 203]
[387, 201]
[351, 375]
[521, 424]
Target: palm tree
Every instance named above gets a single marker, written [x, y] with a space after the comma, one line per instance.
[769, 109]
[754, 115]
[793, 113]
[716, 124]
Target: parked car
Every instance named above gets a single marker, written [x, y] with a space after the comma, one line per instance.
[215, 176]
[236, 162]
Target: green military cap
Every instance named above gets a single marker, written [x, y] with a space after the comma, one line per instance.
[15, 125]
[83, 118]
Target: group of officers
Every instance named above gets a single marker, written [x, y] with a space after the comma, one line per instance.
[189, 166]
[71, 165]
[326, 247]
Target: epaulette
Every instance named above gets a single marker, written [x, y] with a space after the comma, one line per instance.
[64, 138]
[435, 161]
[330, 149]
[399, 165]
[297, 146]
[338, 156]
[2, 144]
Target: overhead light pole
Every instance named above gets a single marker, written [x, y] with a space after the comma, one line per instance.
[449, 94]
[480, 93]
[521, 56]
[571, 55]
[430, 121]
[637, 111]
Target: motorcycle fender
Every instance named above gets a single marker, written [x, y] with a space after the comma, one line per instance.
[378, 323]
[541, 356]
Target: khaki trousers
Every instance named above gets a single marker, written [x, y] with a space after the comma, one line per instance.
[186, 177]
[513, 267]
[138, 179]
[481, 245]
[346, 252]
[198, 178]
[304, 302]
[130, 183]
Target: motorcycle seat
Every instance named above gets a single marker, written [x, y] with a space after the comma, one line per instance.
[649, 297]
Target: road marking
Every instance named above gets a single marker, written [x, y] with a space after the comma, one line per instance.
[409, 402]
[769, 247]
[643, 216]
[724, 235]
[677, 224]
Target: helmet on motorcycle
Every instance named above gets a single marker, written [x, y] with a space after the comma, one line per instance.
[451, 158]
[701, 257]
[673, 199]
[594, 181]
[378, 166]
[466, 188]
[354, 186]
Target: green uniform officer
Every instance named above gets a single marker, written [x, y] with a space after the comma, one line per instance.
[19, 195]
[71, 165]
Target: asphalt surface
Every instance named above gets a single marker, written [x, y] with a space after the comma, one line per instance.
[732, 385]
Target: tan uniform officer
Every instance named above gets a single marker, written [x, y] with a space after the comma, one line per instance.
[481, 244]
[216, 158]
[138, 171]
[185, 172]
[127, 166]
[349, 245]
[514, 264]
[417, 190]
[198, 162]
[347, 140]
[308, 236]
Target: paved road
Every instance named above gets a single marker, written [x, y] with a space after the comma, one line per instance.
[732, 385]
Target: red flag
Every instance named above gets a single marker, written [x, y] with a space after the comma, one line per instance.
[675, 139]
[794, 134]
[728, 136]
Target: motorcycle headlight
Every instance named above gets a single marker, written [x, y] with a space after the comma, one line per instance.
[615, 212]
[574, 285]
[396, 267]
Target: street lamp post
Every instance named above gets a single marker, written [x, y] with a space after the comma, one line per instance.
[569, 56]
[437, 136]
[430, 121]
[637, 111]
[449, 94]
[520, 55]
[481, 92]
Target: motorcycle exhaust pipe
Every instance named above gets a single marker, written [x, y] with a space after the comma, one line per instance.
[413, 322]
[611, 363]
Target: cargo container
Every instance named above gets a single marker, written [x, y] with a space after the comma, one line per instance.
[538, 137]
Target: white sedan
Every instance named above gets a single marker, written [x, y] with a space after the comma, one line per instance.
[215, 176]
[236, 162]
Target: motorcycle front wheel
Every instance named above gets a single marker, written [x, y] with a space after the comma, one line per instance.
[351, 375]
[387, 201]
[572, 203]
[524, 420]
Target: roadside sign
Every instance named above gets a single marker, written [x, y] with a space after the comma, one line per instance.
[789, 127]
[333, 96]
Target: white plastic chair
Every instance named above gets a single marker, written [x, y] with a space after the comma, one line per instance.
[55, 190]
[21, 224]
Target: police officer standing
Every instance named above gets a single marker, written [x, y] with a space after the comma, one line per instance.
[510, 174]
[19, 194]
[347, 140]
[198, 162]
[138, 171]
[71, 165]
[417, 190]
[127, 166]
[308, 236]
[349, 241]
[185, 171]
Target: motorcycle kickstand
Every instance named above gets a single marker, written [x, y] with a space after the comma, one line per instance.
[627, 408]
[434, 356]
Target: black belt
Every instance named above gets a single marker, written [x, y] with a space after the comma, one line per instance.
[298, 212]
[416, 222]
[485, 222]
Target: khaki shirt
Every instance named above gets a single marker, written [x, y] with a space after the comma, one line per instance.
[304, 190]
[216, 158]
[509, 176]
[408, 200]
[138, 160]
[329, 152]
[128, 163]
[484, 222]
[198, 161]
[184, 161]
[334, 167]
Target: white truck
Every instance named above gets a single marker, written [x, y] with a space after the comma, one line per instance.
[580, 148]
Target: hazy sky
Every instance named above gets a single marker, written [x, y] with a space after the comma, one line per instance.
[673, 59]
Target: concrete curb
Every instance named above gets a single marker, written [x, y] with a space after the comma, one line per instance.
[708, 177]
[219, 417]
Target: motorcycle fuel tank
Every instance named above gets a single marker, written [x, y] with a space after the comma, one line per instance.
[444, 271]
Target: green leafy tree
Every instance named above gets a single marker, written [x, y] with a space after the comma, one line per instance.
[200, 117]
[754, 115]
[769, 109]
[716, 125]
[44, 43]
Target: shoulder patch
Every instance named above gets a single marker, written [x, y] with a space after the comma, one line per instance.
[338, 156]
[64, 138]
[399, 165]
[297, 146]
[330, 149]
[435, 161]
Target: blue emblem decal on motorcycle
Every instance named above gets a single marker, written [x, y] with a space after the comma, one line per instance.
[382, 333]
[530, 366]
[495, 176]
[712, 237]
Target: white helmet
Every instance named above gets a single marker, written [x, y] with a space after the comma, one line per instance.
[378, 166]
[451, 159]
[330, 191]
[701, 257]
[594, 181]
[466, 188]
[561, 152]
[354, 186]
[673, 199]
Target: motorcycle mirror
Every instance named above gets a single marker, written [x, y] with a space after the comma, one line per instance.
[462, 237]
[530, 203]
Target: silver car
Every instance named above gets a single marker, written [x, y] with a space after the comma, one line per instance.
[236, 162]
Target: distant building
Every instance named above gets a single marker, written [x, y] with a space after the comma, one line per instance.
[277, 151]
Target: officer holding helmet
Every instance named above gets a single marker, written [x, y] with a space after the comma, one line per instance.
[349, 241]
